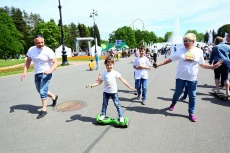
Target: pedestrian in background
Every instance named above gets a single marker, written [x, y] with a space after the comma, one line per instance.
[221, 51]
[141, 64]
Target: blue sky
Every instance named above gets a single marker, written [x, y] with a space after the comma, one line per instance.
[159, 16]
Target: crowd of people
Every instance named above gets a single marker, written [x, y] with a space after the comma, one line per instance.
[17, 56]
[189, 58]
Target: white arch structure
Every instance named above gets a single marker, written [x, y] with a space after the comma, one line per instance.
[76, 40]
[143, 25]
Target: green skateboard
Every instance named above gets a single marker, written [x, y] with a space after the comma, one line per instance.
[115, 121]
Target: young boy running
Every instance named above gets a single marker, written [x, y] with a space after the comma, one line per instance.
[110, 88]
[141, 64]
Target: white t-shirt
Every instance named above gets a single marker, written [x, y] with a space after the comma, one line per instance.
[141, 61]
[188, 63]
[155, 50]
[110, 83]
[137, 54]
[41, 58]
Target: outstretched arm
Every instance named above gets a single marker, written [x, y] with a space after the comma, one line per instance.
[26, 67]
[126, 83]
[95, 84]
[206, 66]
[162, 63]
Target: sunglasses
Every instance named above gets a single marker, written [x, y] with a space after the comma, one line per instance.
[188, 40]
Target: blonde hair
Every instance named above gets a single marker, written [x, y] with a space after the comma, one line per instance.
[191, 36]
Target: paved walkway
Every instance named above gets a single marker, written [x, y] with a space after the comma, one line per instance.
[152, 127]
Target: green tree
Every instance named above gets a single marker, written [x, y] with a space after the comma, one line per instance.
[73, 34]
[51, 33]
[206, 37]
[199, 36]
[160, 39]
[167, 36]
[153, 37]
[112, 37]
[223, 29]
[32, 20]
[97, 34]
[214, 34]
[11, 41]
[146, 36]
[126, 34]
[138, 37]
[20, 23]
[5, 9]
[66, 33]
[83, 32]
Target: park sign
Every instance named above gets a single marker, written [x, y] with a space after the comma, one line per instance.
[118, 42]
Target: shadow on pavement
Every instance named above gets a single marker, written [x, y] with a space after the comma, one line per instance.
[128, 99]
[82, 118]
[165, 99]
[197, 93]
[30, 108]
[89, 70]
[148, 110]
[126, 91]
[217, 101]
[206, 86]
[170, 99]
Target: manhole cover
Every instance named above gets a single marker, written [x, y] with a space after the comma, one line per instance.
[70, 106]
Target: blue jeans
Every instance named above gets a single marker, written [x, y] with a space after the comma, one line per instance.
[166, 54]
[97, 66]
[114, 97]
[180, 84]
[185, 91]
[141, 83]
[42, 84]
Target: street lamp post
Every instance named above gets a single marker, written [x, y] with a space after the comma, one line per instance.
[64, 56]
[94, 29]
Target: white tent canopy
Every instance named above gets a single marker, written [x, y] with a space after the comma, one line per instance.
[58, 52]
[92, 50]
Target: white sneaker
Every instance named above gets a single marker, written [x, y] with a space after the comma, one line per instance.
[227, 95]
[216, 90]
[102, 117]
[122, 119]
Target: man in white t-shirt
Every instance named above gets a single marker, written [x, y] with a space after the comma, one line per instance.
[189, 59]
[44, 64]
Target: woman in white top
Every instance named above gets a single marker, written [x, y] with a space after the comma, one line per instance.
[189, 59]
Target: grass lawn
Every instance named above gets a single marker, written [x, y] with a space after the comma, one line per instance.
[13, 62]
[4, 63]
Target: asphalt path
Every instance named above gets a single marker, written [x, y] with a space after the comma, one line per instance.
[152, 128]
